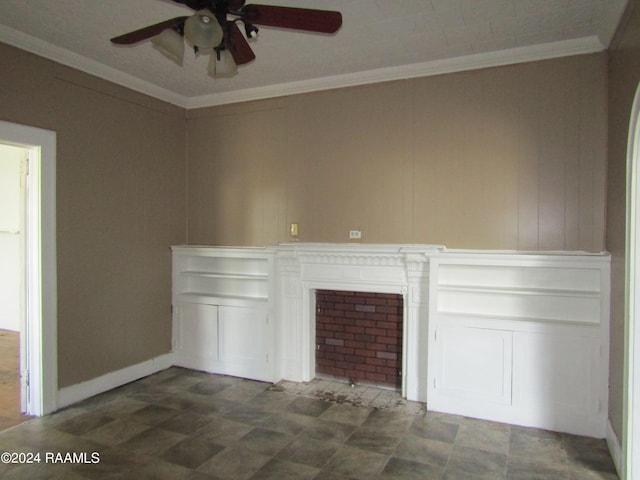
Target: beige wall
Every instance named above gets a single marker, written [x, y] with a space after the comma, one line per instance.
[503, 158]
[120, 204]
[624, 75]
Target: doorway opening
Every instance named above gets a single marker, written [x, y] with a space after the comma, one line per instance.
[38, 363]
[631, 427]
[13, 388]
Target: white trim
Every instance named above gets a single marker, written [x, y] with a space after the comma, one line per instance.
[631, 398]
[477, 61]
[41, 264]
[531, 53]
[614, 448]
[81, 391]
[66, 57]
[612, 15]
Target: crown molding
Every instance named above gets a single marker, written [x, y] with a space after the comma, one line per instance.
[545, 51]
[498, 58]
[63, 56]
[611, 19]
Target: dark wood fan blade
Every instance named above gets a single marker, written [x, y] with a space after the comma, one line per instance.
[235, 42]
[148, 32]
[321, 21]
[236, 5]
[213, 5]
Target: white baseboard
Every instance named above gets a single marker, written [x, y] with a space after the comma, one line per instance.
[614, 448]
[81, 391]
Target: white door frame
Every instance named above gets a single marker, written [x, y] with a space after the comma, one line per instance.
[631, 401]
[40, 260]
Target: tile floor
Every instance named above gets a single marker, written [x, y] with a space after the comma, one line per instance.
[183, 424]
[9, 380]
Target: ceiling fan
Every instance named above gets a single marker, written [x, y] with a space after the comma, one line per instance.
[213, 28]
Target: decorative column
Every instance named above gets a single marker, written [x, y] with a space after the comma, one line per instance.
[416, 324]
[290, 328]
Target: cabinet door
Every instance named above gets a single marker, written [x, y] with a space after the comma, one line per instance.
[557, 375]
[473, 366]
[244, 340]
[196, 336]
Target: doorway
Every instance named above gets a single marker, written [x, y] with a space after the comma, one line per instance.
[631, 427]
[13, 391]
[39, 333]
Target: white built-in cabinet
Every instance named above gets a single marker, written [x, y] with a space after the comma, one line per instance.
[511, 337]
[221, 310]
[521, 339]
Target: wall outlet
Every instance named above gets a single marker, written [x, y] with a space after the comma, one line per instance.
[355, 234]
[293, 230]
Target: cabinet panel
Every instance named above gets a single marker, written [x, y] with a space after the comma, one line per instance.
[196, 335]
[475, 364]
[244, 338]
[556, 371]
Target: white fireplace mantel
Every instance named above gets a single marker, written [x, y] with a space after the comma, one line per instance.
[400, 269]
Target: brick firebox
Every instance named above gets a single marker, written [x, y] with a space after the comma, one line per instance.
[359, 337]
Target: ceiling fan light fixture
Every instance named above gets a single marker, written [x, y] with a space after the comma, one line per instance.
[171, 44]
[250, 30]
[222, 64]
[202, 30]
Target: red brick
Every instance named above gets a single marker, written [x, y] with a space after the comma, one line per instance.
[387, 371]
[376, 301]
[387, 355]
[325, 348]
[354, 359]
[376, 377]
[366, 338]
[334, 327]
[352, 329]
[363, 367]
[365, 353]
[379, 362]
[344, 336]
[345, 306]
[376, 331]
[386, 325]
[335, 356]
[345, 350]
[335, 371]
[366, 322]
[386, 309]
[366, 308]
[346, 366]
[387, 340]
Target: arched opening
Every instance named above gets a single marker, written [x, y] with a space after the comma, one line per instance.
[631, 428]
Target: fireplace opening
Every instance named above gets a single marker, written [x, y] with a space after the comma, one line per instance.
[359, 337]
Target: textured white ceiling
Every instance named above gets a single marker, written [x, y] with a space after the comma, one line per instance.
[379, 39]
